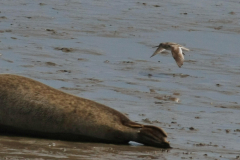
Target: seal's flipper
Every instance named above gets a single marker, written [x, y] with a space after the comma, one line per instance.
[133, 124]
[155, 130]
[153, 136]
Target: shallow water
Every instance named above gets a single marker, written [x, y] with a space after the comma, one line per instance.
[109, 62]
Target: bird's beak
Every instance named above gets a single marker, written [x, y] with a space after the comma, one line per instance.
[155, 46]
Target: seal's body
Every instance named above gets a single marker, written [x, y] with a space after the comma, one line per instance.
[32, 108]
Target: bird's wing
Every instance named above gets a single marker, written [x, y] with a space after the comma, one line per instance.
[177, 55]
[158, 50]
[171, 43]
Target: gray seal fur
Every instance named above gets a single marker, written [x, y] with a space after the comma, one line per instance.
[31, 108]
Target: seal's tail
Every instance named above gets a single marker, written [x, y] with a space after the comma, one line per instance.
[153, 136]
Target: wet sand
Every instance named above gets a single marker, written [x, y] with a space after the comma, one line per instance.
[100, 50]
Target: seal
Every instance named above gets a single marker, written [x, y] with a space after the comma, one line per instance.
[31, 108]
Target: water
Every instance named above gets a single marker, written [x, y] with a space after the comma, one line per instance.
[110, 63]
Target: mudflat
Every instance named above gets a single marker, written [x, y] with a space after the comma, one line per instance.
[100, 51]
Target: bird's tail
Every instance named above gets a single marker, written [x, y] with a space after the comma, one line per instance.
[183, 48]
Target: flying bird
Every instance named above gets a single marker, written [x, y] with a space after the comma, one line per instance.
[176, 50]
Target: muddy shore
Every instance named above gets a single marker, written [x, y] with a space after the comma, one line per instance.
[101, 50]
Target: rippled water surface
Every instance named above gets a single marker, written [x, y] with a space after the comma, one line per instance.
[107, 59]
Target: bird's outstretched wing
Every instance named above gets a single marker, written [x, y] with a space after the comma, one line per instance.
[177, 55]
[158, 50]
